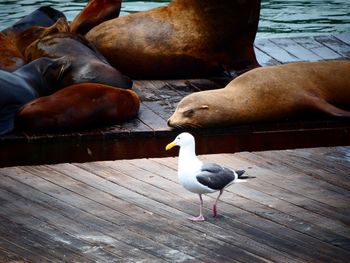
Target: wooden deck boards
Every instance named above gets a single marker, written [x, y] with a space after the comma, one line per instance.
[296, 209]
[149, 132]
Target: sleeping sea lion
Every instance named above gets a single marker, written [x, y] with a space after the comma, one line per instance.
[87, 64]
[12, 48]
[187, 38]
[32, 80]
[28, 36]
[44, 16]
[269, 94]
[10, 56]
[96, 12]
[15, 39]
[77, 107]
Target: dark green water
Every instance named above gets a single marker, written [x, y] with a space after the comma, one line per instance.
[278, 18]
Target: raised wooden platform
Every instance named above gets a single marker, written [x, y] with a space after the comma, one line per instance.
[147, 135]
[295, 210]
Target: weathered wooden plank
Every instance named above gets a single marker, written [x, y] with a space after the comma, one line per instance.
[335, 44]
[131, 126]
[8, 256]
[269, 218]
[316, 47]
[275, 51]
[13, 248]
[205, 84]
[126, 244]
[97, 205]
[279, 211]
[35, 218]
[295, 204]
[151, 119]
[293, 192]
[264, 59]
[218, 233]
[248, 219]
[292, 47]
[345, 37]
[72, 223]
[312, 168]
[160, 206]
[162, 109]
[330, 195]
[339, 156]
[174, 232]
[54, 251]
[134, 223]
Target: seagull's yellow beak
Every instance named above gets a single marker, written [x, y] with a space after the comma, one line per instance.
[170, 145]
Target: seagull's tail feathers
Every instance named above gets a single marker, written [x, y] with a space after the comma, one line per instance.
[241, 177]
[240, 173]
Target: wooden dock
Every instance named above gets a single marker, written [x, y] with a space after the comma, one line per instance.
[146, 135]
[296, 209]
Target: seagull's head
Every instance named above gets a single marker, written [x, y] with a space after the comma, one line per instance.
[183, 139]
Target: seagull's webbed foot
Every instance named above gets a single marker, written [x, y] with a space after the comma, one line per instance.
[199, 218]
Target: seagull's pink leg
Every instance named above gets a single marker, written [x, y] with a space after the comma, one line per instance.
[199, 218]
[216, 202]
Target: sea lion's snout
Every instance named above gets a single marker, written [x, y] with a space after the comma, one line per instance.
[176, 120]
[171, 122]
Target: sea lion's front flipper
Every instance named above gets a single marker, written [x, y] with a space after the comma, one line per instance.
[95, 13]
[324, 106]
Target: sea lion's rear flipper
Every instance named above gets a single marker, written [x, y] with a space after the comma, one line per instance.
[324, 106]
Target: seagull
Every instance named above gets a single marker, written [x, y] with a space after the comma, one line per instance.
[200, 177]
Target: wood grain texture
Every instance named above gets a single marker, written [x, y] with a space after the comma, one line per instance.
[135, 210]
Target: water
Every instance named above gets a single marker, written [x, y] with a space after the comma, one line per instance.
[277, 19]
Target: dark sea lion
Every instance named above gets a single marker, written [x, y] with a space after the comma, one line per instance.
[187, 38]
[17, 88]
[269, 94]
[44, 16]
[96, 12]
[27, 37]
[77, 107]
[87, 64]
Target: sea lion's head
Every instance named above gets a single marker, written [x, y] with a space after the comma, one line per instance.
[203, 109]
[51, 73]
[192, 111]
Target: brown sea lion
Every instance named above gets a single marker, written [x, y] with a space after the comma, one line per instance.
[10, 56]
[12, 47]
[96, 12]
[187, 38]
[38, 78]
[87, 64]
[27, 37]
[269, 94]
[77, 107]
[15, 39]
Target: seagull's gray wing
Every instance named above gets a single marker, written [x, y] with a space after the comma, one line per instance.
[215, 176]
